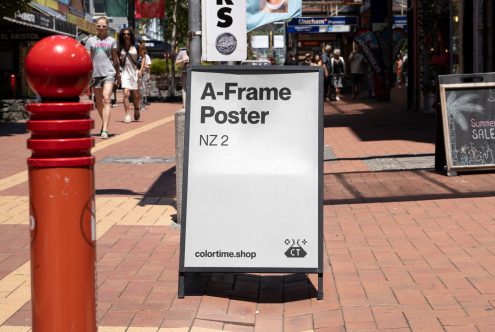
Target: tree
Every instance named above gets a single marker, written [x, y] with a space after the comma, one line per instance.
[181, 20]
[175, 28]
[11, 7]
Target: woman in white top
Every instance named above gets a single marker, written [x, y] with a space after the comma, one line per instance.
[132, 70]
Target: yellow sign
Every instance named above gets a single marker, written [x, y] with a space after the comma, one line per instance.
[48, 3]
[82, 24]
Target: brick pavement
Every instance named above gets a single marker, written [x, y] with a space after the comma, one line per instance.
[408, 250]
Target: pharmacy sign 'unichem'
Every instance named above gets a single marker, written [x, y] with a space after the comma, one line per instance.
[224, 30]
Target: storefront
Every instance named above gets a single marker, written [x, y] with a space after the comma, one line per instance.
[17, 36]
[311, 34]
[268, 43]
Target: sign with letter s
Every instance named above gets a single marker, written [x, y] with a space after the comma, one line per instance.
[224, 30]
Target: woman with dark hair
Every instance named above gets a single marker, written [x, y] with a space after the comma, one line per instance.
[132, 70]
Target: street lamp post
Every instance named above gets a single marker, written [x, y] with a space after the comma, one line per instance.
[194, 21]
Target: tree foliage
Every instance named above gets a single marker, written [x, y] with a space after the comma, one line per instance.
[181, 21]
[11, 7]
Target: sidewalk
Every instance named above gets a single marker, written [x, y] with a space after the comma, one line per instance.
[406, 248]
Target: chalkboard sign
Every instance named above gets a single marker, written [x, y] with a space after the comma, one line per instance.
[468, 116]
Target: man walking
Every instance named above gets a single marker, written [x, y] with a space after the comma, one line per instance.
[106, 70]
[326, 60]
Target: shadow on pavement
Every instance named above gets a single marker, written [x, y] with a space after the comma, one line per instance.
[251, 287]
[163, 187]
[12, 128]
[122, 192]
[401, 186]
[378, 122]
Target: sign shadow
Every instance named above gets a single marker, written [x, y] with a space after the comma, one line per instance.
[259, 288]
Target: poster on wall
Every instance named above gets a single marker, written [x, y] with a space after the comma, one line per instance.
[261, 12]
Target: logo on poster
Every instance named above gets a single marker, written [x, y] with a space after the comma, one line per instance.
[226, 43]
[295, 250]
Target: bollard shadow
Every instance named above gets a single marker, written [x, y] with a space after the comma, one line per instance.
[280, 288]
[12, 128]
[123, 192]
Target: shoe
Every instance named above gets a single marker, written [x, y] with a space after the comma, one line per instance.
[127, 118]
[104, 134]
[137, 114]
[337, 98]
[114, 105]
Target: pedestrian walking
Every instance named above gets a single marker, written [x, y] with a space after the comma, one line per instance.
[317, 62]
[308, 60]
[145, 79]
[106, 70]
[398, 70]
[326, 60]
[132, 70]
[338, 72]
[291, 60]
[183, 59]
[357, 64]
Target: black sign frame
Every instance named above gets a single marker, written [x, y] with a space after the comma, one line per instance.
[465, 155]
[252, 70]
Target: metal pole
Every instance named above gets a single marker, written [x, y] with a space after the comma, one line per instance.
[390, 42]
[61, 189]
[131, 21]
[194, 19]
[451, 39]
[194, 22]
[91, 7]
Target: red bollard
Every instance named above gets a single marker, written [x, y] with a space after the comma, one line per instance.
[12, 85]
[61, 188]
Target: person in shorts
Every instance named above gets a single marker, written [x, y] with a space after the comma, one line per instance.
[338, 72]
[106, 70]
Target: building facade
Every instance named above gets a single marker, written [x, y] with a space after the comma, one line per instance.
[19, 33]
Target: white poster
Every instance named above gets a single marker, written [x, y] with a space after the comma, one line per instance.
[224, 35]
[260, 41]
[278, 41]
[252, 169]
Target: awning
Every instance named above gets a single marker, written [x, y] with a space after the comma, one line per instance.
[156, 48]
[48, 11]
[27, 24]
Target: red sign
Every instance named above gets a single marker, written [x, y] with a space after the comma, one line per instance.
[150, 8]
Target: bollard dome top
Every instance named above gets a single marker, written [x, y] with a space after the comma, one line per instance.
[58, 67]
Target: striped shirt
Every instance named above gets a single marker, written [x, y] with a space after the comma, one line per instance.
[101, 54]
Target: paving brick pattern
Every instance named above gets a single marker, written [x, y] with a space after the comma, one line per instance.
[409, 250]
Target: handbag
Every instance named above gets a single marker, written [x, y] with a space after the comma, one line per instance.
[137, 63]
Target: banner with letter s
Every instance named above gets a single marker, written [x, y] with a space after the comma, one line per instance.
[224, 30]
[261, 12]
